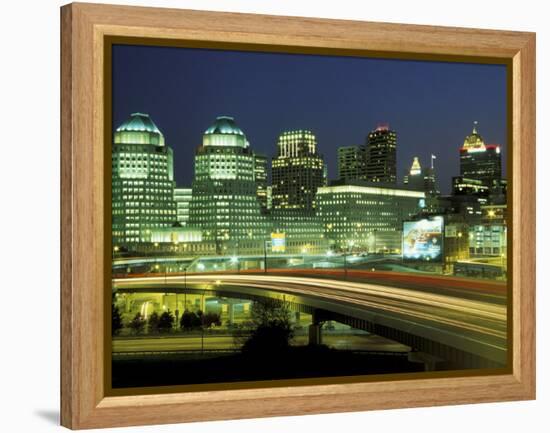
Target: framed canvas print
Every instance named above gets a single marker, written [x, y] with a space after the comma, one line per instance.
[271, 216]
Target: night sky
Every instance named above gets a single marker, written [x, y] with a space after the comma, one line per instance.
[431, 105]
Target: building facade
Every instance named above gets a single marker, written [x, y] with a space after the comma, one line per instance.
[381, 156]
[176, 234]
[303, 235]
[297, 171]
[182, 197]
[351, 164]
[225, 201]
[142, 182]
[360, 215]
[260, 176]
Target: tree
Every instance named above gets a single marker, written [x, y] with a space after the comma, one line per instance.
[116, 320]
[166, 321]
[137, 324]
[191, 320]
[153, 323]
[272, 329]
[209, 319]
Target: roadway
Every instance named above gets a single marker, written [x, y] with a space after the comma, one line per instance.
[477, 326]
[227, 342]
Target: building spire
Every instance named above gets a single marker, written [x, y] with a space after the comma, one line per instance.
[415, 168]
[474, 131]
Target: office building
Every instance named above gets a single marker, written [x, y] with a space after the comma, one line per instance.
[365, 216]
[381, 156]
[225, 201]
[414, 178]
[350, 163]
[479, 160]
[297, 171]
[260, 176]
[469, 186]
[142, 182]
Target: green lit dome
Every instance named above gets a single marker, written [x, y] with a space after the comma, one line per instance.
[224, 132]
[139, 129]
[224, 125]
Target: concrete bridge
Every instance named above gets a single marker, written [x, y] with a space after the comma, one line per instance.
[445, 331]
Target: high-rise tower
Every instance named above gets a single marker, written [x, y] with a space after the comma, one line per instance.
[142, 182]
[225, 191]
[414, 178]
[381, 155]
[297, 172]
[480, 161]
[350, 163]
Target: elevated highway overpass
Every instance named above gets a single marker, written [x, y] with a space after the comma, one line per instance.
[460, 331]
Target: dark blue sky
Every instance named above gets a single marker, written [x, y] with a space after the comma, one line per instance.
[431, 105]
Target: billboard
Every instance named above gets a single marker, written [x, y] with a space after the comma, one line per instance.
[278, 242]
[423, 239]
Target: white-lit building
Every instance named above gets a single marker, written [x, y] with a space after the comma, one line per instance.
[225, 203]
[142, 182]
[182, 197]
[176, 234]
[364, 216]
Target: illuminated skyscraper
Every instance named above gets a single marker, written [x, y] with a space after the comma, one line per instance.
[350, 163]
[414, 178]
[430, 180]
[297, 172]
[225, 191]
[381, 155]
[142, 182]
[479, 160]
[260, 175]
[422, 178]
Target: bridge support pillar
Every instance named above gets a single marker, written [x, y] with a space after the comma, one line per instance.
[430, 361]
[315, 335]
[127, 303]
[231, 309]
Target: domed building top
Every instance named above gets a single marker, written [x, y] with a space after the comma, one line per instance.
[224, 125]
[474, 142]
[139, 129]
[224, 132]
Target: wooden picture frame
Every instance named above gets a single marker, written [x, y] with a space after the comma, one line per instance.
[85, 27]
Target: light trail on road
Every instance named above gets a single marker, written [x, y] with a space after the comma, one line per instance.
[476, 316]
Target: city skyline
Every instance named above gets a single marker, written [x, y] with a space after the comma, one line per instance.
[481, 87]
[265, 273]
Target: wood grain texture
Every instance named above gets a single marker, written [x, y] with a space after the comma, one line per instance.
[84, 26]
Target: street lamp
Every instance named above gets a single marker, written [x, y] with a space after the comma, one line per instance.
[265, 256]
[350, 246]
[184, 288]
[202, 324]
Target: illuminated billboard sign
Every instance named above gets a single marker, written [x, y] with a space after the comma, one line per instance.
[278, 242]
[423, 240]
